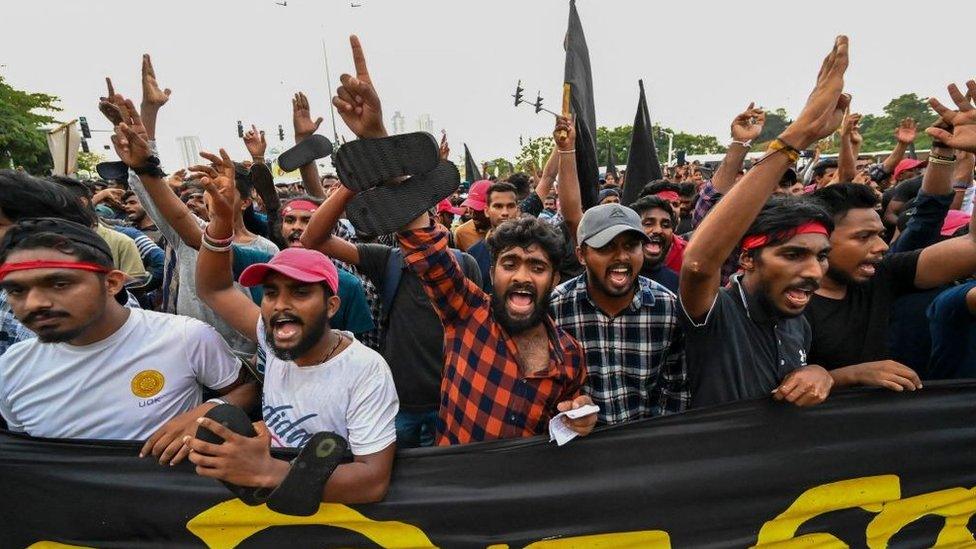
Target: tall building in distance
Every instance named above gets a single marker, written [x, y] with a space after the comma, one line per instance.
[189, 149]
[425, 123]
[399, 121]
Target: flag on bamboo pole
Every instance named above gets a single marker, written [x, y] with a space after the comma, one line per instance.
[643, 165]
[579, 76]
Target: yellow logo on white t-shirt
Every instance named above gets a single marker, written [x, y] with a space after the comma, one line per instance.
[147, 383]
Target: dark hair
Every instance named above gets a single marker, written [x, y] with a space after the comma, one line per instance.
[651, 202]
[500, 188]
[523, 233]
[782, 214]
[23, 196]
[687, 190]
[244, 185]
[40, 233]
[521, 183]
[821, 168]
[840, 198]
[657, 186]
[78, 188]
[127, 194]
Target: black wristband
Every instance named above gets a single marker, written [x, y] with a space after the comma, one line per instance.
[151, 168]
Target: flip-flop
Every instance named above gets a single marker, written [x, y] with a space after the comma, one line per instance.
[305, 152]
[263, 182]
[365, 163]
[112, 171]
[388, 208]
[236, 420]
[301, 492]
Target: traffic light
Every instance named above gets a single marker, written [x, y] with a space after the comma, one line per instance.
[538, 102]
[84, 145]
[518, 93]
[240, 129]
[85, 130]
[281, 133]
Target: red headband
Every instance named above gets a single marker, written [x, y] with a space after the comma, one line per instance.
[668, 195]
[760, 240]
[8, 268]
[303, 205]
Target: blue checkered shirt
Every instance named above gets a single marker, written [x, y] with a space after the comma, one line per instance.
[11, 330]
[636, 360]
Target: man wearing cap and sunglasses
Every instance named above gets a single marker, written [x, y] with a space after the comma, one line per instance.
[315, 378]
[97, 369]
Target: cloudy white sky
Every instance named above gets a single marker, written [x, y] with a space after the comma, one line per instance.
[458, 61]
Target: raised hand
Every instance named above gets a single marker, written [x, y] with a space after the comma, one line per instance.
[565, 133]
[130, 138]
[152, 96]
[749, 124]
[255, 142]
[218, 180]
[827, 103]
[851, 130]
[112, 105]
[444, 150]
[961, 133]
[302, 118]
[356, 99]
[906, 131]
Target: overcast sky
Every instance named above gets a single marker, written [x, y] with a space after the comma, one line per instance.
[458, 60]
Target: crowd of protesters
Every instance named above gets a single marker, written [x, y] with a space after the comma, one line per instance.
[132, 306]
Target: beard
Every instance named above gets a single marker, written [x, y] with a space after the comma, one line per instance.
[515, 326]
[294, 238]
[309, 339]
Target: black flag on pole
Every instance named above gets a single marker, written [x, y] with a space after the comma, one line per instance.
[612, 161]
[642, 164]
[579, 76]
[471, 173]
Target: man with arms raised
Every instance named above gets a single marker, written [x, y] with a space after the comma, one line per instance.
[750, 339]
[315, 378]
[508, 369]
[97, 369]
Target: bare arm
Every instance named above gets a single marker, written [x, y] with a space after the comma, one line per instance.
[846, 159]
[721, 231]
[570, 202]
[744, 129]
[214, 274]
[965, 163]
[304, 127]
[153, 98]
[256, 144]
[544, 188]
[905, 136]
[318, 233]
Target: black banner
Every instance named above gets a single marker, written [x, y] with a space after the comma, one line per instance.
[643, 165]
[866, 469]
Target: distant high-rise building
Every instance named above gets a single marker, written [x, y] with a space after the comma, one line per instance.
[425, 123]
[398, 122]
[189, 149]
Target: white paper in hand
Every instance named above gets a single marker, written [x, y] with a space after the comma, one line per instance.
[560, 432]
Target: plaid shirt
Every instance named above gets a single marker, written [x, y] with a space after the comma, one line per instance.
[485, 393]
[635, 360]
[11, 330]
[708, 197]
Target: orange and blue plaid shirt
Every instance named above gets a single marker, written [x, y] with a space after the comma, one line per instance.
[485, 393]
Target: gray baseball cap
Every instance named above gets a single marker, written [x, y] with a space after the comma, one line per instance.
[601, 224]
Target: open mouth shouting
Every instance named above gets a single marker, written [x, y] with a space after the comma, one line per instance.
[620, 276]
[285, 328]
[295, 238]
[867, 269]
[654, 246]
[520, 301]
[798, 295]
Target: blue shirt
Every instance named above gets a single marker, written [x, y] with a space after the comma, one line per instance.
[953, 329]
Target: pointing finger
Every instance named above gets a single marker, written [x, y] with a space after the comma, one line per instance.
[358, 57]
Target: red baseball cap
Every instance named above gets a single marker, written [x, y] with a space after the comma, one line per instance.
[954, 220]
[905, 165]
[301, 264]
[478, 195]
[446, 206]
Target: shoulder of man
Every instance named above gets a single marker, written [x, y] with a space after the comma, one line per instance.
[566, 289]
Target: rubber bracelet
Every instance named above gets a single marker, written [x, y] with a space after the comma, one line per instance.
[573, 151]
[212, 248]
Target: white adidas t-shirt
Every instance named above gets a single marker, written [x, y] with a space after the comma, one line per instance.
[352, 394]
[122, 387]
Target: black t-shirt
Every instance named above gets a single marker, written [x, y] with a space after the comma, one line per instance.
[855, 329]
[414, 343]
[740, 351]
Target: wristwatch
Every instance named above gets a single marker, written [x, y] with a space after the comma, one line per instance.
[151, 168]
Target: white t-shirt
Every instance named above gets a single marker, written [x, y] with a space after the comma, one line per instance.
[122, 387]
[352, 394]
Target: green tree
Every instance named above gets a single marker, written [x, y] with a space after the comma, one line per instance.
[532, 158]
[499, 167]
[22, 142]
[879, 131]
[776, 121]
[87, 162]
[620, 136]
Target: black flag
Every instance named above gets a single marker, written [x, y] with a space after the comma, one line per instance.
[642, 164]
[612, 162]
[580, 78]
[471, 173]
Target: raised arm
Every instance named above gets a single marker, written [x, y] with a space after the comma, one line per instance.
[904, 136]
[214, 274]
[153, 98]
[962, 177]
[304, 127]
[570, 202]
[721, 231]
[745, 128]
[849, 141]
[955, 258]
[544, 187]
[131, 141]
[318, 234]
[256, 144]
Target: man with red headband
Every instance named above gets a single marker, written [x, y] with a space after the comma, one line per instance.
[99, 370]
[669, 192]
[750, 339]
